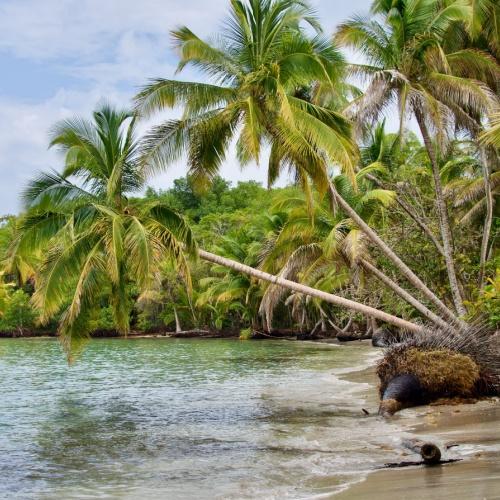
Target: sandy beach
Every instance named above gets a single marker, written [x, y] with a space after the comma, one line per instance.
[472, 433]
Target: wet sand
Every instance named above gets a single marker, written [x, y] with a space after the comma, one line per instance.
[474, 432]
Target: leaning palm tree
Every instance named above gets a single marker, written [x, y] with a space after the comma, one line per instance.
[265, 71]
[268, 83]
[331, 251]
[408, 65]
[96, 240]
[232, 294]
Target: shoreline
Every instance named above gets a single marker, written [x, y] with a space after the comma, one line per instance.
[114, 335]
[469, 432]
[195, 333]
[473, 429]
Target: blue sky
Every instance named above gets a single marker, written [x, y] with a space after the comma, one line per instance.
[61, 57]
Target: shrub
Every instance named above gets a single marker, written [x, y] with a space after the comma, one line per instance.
[488, 302]
[19, 314]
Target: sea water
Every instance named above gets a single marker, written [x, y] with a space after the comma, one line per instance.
[186, 419]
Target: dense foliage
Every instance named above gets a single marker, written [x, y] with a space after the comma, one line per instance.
[408, 227]
[251, 224]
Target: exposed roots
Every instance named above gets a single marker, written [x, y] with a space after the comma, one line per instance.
[447, 363]
[441, 373]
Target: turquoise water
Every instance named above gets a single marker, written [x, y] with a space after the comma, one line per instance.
[165, 418]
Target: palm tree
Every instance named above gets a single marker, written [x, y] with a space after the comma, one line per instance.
[262, 70]
[95, 239]
[329, 252]
[407, 65]
[232, 295]
[5, 289]
[268, 82]
[464, 176]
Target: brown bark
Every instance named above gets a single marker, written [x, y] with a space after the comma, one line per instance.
[444, 223]
[427, 313]
[306, 290]
[401, 266]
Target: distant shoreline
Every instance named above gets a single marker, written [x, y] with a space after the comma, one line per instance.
[195, 333]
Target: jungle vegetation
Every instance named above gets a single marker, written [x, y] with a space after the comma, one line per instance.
[403, 223]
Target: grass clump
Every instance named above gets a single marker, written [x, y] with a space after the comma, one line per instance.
[246, 334]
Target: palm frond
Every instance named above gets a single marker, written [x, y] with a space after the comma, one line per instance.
[196, 97]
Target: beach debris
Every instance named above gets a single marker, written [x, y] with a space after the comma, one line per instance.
[430, 453]
[460, 364]
[397, 465]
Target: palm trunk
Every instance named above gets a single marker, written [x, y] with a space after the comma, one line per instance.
[306, 290]
[400, 265]
[423, 226]
[411, 213]
[347, 326]
[444, 222]
[427, 313]
[489, 216]
[178, 327]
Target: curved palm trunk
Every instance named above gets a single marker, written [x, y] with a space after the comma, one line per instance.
[444, 222]
[427, 313]
[421, 224]
[306, 290]
[400, 265]
[411, 212]
[489, 216]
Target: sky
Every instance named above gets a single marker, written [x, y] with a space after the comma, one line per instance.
[60, 58]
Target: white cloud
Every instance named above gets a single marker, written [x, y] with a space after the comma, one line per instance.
[135, 58]
[24, 132]
[109, 47]
[83, 28]
[75, 29]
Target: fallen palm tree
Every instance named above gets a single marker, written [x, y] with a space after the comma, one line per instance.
[313, 292]
[439, 364]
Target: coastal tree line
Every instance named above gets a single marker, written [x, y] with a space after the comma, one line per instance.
[381, 227]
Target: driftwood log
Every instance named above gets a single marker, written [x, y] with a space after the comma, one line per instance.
[191, 333]
[430, 452]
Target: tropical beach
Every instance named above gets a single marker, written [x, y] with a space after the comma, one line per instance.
[189, 418]
[261, 260]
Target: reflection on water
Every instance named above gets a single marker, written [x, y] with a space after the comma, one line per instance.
[183, 419]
